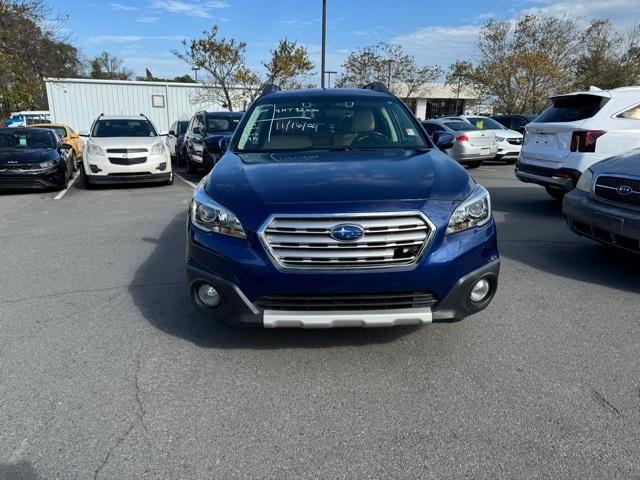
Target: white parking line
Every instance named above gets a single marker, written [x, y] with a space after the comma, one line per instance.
[191, 184]
[71, 182]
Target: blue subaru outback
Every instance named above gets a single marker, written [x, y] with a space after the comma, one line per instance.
[333, 207]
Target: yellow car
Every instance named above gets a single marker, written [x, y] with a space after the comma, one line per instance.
[69, 136]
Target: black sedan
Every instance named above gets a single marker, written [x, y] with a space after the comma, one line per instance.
[605, 205]
[33, 158]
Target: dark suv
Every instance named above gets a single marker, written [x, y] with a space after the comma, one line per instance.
[207, 136]
[332, 207]
[514, 122]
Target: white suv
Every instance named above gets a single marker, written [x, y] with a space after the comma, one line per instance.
[123, 149]
[576, 131]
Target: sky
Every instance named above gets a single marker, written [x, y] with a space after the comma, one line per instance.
[143, 32]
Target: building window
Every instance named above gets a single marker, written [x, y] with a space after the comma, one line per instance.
[157, 101]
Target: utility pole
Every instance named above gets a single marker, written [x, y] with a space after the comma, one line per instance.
[324, 40]
[389, 63]
[329, 72]
[195, 70]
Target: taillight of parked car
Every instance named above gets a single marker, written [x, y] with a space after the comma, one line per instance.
[462, 138]
[585, 141]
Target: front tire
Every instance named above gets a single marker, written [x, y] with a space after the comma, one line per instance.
[84, 179]
[555, 193]
[74, 162]
[170, 181]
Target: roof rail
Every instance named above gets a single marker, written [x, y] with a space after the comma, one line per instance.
[270, 88]
[377, 87]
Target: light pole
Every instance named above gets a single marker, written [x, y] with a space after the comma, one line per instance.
[324, 40]
[389, 63]
[329, 72]
[195, 70]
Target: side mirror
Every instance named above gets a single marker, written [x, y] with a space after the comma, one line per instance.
[74, 135]
[65, 146]
[197, 131]
[164, 133]
[84, 134]
[172, 133]
[443, 140]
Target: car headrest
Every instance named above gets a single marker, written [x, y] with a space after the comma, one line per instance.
[363, 121]
[287, 142]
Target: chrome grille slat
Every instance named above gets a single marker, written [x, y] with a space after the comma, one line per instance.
[304, 241]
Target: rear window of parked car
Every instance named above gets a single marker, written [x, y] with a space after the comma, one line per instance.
[123, 128]
[572, 108]
[460, 126]
[222, 124]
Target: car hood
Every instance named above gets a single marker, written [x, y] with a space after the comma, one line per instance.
[337, 177]
[31, 155]
[125, 142]
[624, 164]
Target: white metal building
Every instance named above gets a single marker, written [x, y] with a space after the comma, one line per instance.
[77, 102]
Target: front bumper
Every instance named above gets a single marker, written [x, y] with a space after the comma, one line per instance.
[237, 309]
[605, 223]
[243, 273]
[53, 177]
[129, 178]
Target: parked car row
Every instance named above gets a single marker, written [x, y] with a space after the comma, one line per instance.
[477, 139]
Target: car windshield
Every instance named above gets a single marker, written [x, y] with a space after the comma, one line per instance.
[460, 126]
[222, 124]
[12, 138]
[182, 127]
[329, 123]
[60, 131]
[484, 123]
[123, 128]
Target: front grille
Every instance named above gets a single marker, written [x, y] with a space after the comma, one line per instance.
[127, 161]
[390, 239]
[609, 238]
[346, 302]
[607, 187]
[514, 141]
[20, 167]
[126, 150]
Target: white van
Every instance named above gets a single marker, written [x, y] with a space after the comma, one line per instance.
[576, 131]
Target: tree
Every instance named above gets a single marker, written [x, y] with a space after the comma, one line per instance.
[521, 64]
[392, 65]
[608, 59]
[289, 61]
[109, 67]
[223, 59]
[31, 49]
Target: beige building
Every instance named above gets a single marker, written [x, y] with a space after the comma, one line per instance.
[438, 99]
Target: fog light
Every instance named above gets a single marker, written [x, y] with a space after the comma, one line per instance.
[94, 168]
[480, 290]
[208, 295]
[162, 166]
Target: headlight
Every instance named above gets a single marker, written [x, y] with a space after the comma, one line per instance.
[473, 212]
[499, 139]
[47, 164]
[209, 216]
[94, 150]
[157, 149]
[585, 181]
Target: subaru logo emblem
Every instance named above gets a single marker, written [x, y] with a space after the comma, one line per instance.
[347, 232]
[625, 190]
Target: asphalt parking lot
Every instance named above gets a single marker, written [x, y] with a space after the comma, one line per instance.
[109, 372]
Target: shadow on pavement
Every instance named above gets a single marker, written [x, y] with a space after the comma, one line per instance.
[18, 471]
[532, 231]
[159, 290]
